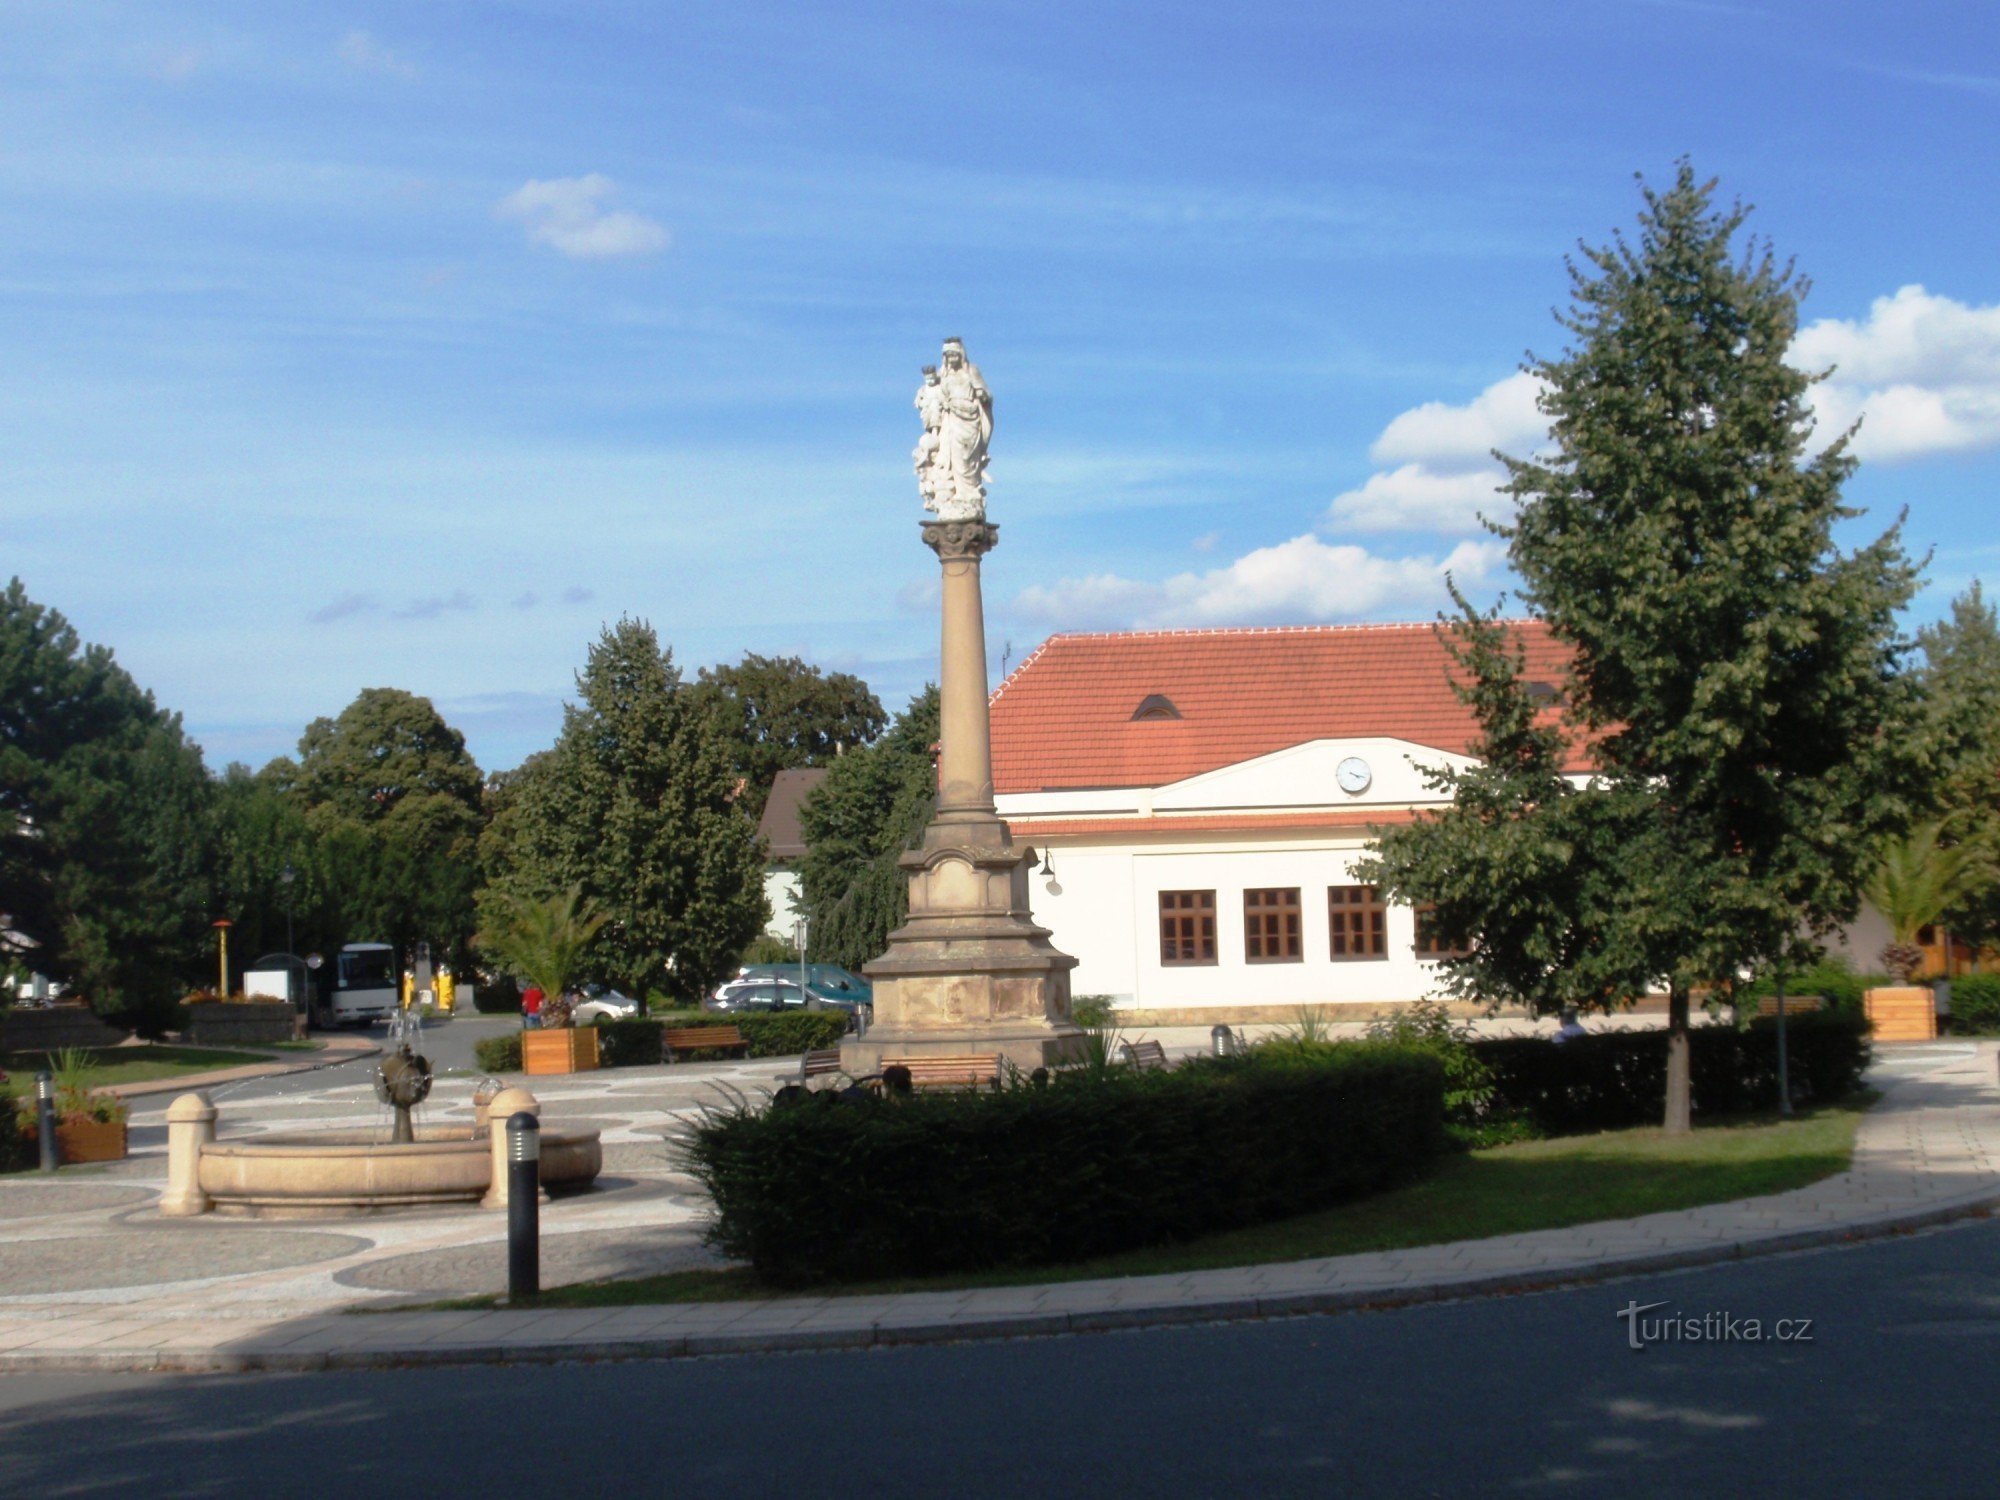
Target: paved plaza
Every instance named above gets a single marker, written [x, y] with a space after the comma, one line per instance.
[92, 1276]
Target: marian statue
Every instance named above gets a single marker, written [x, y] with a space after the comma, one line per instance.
[957, 412]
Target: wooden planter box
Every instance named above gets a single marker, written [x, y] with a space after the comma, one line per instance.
[90, 1140]
[565, 1049]
[1901, 1013]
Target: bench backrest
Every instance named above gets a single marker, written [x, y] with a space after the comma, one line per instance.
[695, 1038]
[1149, 1054]
[1768, 1004]
[819, 1060]
[943, 1072]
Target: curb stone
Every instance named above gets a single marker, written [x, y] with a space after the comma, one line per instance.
[1027, 1324]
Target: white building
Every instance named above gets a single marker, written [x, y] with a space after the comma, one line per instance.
[785, 846]
[1202, 796]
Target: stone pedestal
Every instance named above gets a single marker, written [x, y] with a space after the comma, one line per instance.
[970, 972]
[190, 1126]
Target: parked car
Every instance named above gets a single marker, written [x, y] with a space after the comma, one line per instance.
[833, 984]
[602, 1003]
[765, 994]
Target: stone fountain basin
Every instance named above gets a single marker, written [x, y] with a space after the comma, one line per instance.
[339, 1173]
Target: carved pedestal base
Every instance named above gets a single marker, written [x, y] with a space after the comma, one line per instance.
[970, 972]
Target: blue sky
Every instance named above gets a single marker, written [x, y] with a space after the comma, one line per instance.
[345, 346]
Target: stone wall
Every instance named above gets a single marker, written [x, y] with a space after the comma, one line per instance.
[221, 1025]
[46, 1028]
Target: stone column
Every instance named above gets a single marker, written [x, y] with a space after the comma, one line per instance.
[506, 1104]
[969, 972]
[965, 758]
[190, 1126]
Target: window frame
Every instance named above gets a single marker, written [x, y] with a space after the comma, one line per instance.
[1290, 917]
[1188, 918]
[1364, 922]
[1424, 946]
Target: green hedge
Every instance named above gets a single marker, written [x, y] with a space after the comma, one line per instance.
[1610, 1080]
[499, 1054]
[1975, 1002]
[824, 1188]
[638, 1043]
[1832, 978]
[780, 1033]
[499, 997]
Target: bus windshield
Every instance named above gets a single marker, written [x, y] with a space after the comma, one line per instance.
[370, 969]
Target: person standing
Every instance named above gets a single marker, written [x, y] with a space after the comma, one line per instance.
[531, 1007]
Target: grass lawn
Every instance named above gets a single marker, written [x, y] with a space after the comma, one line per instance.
[126, 1065]
[1503, 1190]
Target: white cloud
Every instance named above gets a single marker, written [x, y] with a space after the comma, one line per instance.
[1922, 371]
[1299, 581]
[1412, 498]
[568, 214]
[361, 50]
[1440, 436]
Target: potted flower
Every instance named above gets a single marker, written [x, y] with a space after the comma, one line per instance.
[544, 941]
[90, 1124]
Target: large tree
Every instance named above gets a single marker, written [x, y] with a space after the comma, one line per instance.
[636, 810]
[1519, 872]
[1961, 681]
[1736, 671]
[782, 712]
[394, 804]
[871, 807]
[103, 819]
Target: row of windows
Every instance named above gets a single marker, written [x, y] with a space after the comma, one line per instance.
[1357, 925]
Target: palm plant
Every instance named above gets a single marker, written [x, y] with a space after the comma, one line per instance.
[1916, 880]
[543, 939]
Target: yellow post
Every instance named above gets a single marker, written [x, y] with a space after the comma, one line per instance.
[222, 959]
[447, 992]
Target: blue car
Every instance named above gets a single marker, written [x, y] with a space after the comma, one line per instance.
[830, 983]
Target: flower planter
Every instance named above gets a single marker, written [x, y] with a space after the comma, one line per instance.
[90, 1140]
[564, 1049]
[1901, 1013]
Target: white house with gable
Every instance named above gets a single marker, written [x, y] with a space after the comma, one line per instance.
[1201, 798]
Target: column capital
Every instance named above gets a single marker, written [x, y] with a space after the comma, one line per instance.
[960, 541]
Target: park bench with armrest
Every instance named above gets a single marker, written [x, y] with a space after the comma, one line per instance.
[978, 1070]
[1147, 1054]
[681, 1039]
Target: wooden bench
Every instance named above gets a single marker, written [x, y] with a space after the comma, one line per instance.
[1794, 1004]
[815, 1064]
[678, 1039]
[979, 1070]
[1144, 1054]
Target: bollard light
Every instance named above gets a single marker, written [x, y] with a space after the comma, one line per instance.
[1222, 1040]
[45, 1117]
[524, 1217]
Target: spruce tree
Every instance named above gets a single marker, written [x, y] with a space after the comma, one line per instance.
[1737, 673]
[636, 808]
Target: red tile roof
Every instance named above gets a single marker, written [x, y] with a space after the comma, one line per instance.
[1064, 717]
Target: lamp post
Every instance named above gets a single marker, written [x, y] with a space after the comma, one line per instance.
[285, 878]
[800, 930]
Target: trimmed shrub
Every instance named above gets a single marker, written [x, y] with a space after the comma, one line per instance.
[1975, 1002]
[1091, 1010]
[1611, 1080]
[628, 1044]
[779, 1033]
[499, 1054]
[1832, 978]
[826, 1188]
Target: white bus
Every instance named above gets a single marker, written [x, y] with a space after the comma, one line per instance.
[358, 985]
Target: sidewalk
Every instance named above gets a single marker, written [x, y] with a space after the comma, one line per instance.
[1928, 1153]
[335, 1051]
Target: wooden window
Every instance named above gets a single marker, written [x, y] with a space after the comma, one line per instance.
[1357, 922]
[1187, 927]
[1429, 944]
[1271, 927]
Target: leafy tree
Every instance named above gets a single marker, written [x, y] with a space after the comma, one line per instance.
[1523, 873]
[260, 831]
[1961, 681]
[104, 803]
[393, 802]
[782, 713]
[872, 806]
[1737, 672]
[635, 807]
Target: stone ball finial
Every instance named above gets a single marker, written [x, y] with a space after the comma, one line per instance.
[510, 1102]
[188, 1109]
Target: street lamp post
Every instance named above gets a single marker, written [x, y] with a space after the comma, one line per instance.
[285, 878]
[222, 926]
[800, 929]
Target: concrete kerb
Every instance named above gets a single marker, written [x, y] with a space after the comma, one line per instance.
[601, 1344]
[335, 1056]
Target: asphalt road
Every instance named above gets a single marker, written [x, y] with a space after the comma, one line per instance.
[1889, 1393]
[448, 1044]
